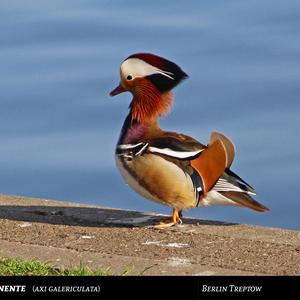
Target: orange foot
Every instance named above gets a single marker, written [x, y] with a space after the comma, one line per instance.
[174, 220]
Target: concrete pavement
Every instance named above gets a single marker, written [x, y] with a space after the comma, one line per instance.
[69, 234]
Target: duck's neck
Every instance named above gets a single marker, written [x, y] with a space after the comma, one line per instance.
[134, 132]
[146, 106]
[141, 122]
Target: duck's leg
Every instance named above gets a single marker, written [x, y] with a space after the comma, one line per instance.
[173, 220]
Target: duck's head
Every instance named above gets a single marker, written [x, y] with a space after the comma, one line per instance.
[150, 78]
[148, 69]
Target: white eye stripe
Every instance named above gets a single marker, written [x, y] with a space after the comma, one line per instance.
[165, 73]
[136, 67]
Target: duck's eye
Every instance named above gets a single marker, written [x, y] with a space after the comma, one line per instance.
[129, 77]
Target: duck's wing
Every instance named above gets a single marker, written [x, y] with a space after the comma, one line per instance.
[209, 161]
[231, 182]
[235, 189]
[207, 166]
[176, 145]
[169, 144]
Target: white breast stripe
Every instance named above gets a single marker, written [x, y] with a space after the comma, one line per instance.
[129, 151]
[129, 146]
[176, 154]
[124, 155]
[142, 149]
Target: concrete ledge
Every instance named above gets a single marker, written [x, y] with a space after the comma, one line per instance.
[69, 234]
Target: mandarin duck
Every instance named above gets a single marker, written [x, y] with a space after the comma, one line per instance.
[168, 167]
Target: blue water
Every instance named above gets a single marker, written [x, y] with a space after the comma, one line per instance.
[58, 126]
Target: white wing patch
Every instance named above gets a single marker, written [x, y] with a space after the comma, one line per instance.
[138, 149]
[215, 198]
[223, 185]
[136, 67]
[173, 153]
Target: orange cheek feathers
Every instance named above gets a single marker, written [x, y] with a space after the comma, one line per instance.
[148, 103]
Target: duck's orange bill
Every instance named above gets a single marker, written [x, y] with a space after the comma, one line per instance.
[118, 90]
